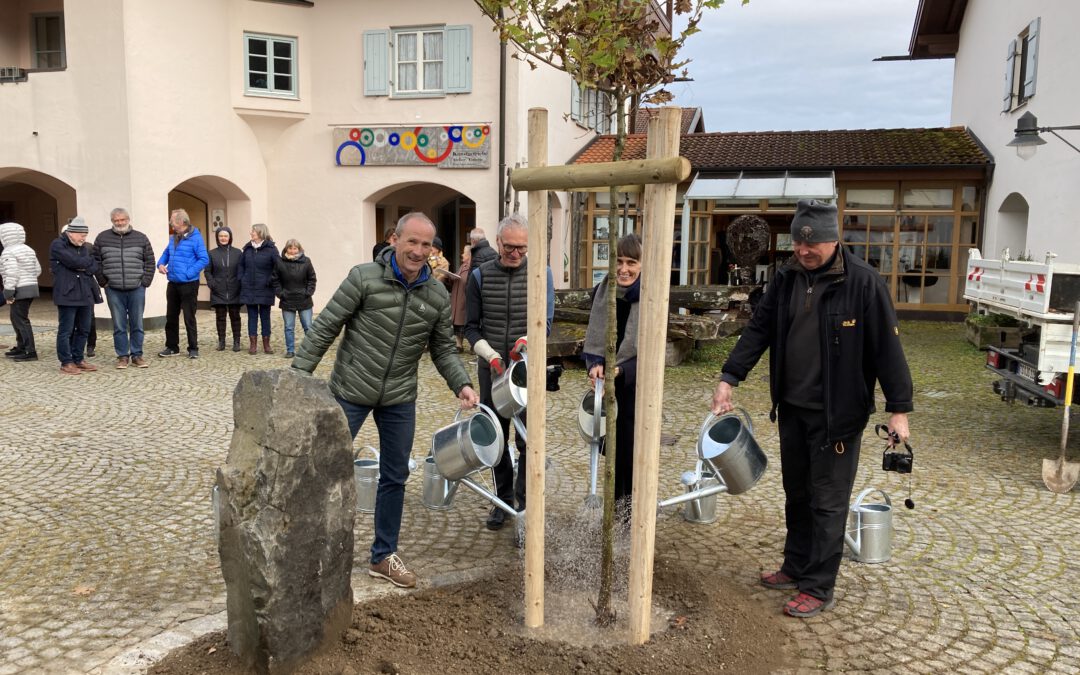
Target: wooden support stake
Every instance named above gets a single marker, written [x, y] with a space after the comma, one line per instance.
[658, 234]
[537, 379]
[601, 174]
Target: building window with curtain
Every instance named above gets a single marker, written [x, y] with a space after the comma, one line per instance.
[423, 62]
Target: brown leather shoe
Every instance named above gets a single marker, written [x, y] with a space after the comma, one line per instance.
[138, 362]
[70, 369]
[266, 346]
[88, 367]
[122, 362]
[254, 348]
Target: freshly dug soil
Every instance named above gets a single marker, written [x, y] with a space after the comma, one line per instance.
[701, 625]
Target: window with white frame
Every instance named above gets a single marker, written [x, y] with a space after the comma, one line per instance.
[270, 66]
[1021, 65]
[47, 42]
[590, 108]
[418, 61]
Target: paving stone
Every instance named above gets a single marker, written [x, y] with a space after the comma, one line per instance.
[108, 546]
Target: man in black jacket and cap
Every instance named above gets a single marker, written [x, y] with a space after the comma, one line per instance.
[828, 322]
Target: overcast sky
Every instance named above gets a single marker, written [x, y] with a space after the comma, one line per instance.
[808, 64]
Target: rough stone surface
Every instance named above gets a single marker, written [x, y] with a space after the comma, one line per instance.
[288, 501]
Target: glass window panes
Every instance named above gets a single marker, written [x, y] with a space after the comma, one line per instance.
[271, 65]
[928, 198]
[48, 41]
[969, 230]
[939, 229]
[433, 61]
[969, 198]
[870, 198]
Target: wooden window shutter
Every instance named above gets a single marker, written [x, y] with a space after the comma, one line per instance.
[1010, 69]
[458, 61]
[376, 63]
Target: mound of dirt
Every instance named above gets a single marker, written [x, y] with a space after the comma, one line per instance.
[701, 625]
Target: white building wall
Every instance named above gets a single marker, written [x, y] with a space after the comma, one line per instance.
[153, 97]
[1048, 181]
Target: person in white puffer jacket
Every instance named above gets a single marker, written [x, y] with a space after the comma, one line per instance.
[20, 269]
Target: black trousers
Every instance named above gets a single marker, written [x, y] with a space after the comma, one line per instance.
[818, 478]
[506, 488]
[20, 322]
[181, 297]
[234, 318]
[626, 399]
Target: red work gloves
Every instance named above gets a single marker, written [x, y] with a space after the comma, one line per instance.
[519, 349]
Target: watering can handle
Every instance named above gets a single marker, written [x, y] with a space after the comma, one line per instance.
[867, 492]
[598, 411]
[741, 411]
[484, 409]
[375, 452]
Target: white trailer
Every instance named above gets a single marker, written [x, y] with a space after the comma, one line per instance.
[1042, 296]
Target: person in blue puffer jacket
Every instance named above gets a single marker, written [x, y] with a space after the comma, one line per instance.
[256, 271]
[181, 262]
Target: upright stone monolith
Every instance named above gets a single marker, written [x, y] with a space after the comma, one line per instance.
[288, 500]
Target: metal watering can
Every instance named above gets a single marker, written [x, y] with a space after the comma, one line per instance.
[593, 428]
[726, 446]
[366, 474]
[701, 509]
[869, 531]
[458, 450]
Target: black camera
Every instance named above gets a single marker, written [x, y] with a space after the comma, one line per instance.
[893, 459]
[900, 462]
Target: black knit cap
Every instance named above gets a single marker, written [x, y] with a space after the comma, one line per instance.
[815, 222]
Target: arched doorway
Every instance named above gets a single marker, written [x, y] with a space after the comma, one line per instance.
[1012, 228]
[453, 213]
[41, 204]
[211, 202]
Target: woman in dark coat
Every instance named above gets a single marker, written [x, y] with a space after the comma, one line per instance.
[222, 276]
[256, 271]
[628, 279]
[294, 283]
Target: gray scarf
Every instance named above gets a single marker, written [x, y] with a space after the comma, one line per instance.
[595, 338]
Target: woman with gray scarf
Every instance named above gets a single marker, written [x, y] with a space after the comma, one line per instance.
[628, 280]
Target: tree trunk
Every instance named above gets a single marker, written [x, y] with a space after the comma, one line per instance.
[605, 615]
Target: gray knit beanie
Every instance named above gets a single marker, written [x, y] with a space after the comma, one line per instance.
[815, 222]
[78, 225]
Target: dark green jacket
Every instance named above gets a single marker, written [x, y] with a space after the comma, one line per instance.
[387, 328]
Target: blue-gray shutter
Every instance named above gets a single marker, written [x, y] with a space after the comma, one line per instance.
[1010, 68]
[458, 61]
[575, 101]
[376, 63]
[1031, 59]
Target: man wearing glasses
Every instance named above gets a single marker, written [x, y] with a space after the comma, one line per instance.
[496, 302]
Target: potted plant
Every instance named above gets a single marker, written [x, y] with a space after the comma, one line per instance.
[999, 330]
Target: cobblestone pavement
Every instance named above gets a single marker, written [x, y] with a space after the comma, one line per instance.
[107, 557]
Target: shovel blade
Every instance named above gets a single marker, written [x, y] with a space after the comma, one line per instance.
[1060, 476]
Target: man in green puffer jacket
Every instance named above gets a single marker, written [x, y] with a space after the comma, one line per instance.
[390, 310]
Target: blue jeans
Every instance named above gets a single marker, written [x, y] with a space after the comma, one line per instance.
[289, 317]
[397, 425]
[257, 313]
[72, 331]
[126, 308]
